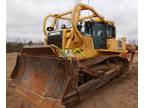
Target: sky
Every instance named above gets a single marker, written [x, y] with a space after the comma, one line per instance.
[24, 17]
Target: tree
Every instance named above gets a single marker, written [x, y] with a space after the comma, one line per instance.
[30, 43]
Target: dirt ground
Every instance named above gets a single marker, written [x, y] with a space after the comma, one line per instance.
[115, 94]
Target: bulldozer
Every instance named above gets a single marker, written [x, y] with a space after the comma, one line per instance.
[78, 57]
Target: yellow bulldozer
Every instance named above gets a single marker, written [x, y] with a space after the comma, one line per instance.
[78, 57]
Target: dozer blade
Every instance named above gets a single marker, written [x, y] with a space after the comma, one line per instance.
[43, 79]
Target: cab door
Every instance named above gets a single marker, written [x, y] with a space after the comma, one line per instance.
[99, 35]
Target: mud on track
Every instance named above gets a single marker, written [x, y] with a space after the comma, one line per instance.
[115, 94]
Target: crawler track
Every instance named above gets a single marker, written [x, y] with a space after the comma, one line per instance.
[104, 65]
[94, 73]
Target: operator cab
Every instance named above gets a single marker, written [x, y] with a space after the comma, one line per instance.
[100, 32]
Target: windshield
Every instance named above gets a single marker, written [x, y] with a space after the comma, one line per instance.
[110, 30]
[99, 29]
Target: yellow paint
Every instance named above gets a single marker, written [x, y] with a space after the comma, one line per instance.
[73, 39]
